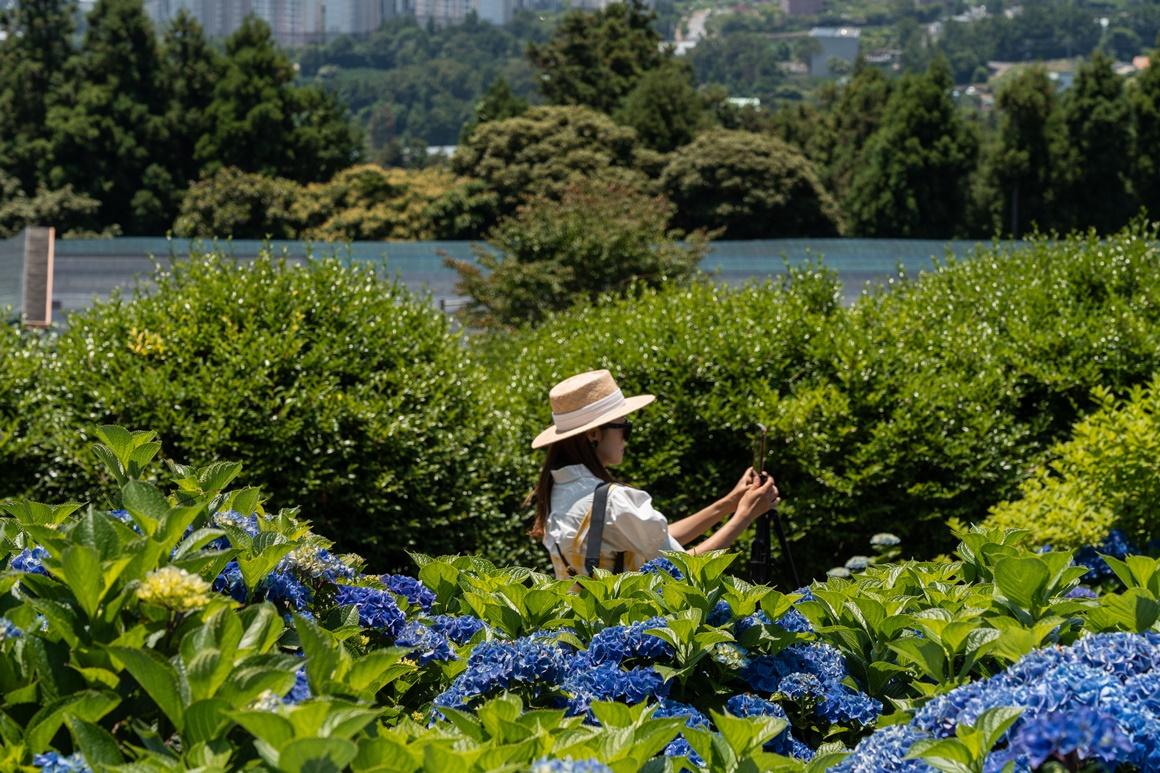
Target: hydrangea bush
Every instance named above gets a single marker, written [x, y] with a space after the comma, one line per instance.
[191, 628]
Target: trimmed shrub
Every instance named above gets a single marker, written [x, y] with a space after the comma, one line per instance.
[1106, 476]
[341, 391]
[599, 238]
[20, 409]
[929, 402]
[753, 186]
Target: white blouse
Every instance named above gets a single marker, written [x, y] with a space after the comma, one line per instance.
[631, 524]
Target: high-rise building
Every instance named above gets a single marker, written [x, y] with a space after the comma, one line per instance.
[442, 13]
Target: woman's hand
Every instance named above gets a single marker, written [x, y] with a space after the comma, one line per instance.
[758, 499]
[733, 498]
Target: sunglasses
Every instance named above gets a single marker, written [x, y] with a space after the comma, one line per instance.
[623, 426]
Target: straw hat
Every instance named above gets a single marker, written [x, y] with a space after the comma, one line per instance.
[586, 401]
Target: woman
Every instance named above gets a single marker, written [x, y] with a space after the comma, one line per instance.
[587, 437]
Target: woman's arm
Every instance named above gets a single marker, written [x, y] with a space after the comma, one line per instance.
[688, 529]
[757, 501]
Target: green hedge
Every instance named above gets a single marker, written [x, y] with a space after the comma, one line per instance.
[1105, 476]
[20, 411]
[345, 393]
[929, 402]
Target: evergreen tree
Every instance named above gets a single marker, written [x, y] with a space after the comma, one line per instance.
[34, 51]
[108, 123]
[497, 104]
[1095, 153]
[1145, 97]
[262, 123]
[190, 69]
[664, 107]
[1017, 167]
[913, 176]
[596, 59]
[851, 121]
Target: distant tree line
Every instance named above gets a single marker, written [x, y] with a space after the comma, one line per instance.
[125, 133]
[108, 135]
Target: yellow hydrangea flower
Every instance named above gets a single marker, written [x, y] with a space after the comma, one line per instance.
[174, 588]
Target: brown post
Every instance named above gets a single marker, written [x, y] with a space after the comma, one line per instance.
[39, 249]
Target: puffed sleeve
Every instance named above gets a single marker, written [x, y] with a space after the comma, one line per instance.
[633, 524]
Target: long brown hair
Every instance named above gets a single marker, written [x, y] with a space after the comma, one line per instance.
[574, 450]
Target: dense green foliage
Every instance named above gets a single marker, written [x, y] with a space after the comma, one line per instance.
[544, 151]
[1103, 477]
[363, 202]
[129, 121]
[409, 82]
[598, 240]
[751, 186]
[911, 407]
[332, 386]
[192, 627]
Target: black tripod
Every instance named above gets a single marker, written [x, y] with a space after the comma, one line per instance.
[760, 558]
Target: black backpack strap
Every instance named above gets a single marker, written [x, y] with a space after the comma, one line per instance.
[596, 528]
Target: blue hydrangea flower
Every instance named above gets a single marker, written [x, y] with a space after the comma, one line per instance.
[765, 672]
[783, 743]
[286, 590]
[1089, 734]
[414, 591]
[457, 628]
[662, 564]
[52, 762]
[377, 609]
[1115, 545]
[618, 643]
[124, 517]
[301, 689]
[842, 706]
[587, 682]
[1082, 592]
[858, 563]
[494, 666]
[31, 561]
[316, 564]
[229, 581]
[8, 630]
[1097, 699]
[795, 622]
[569, 765]
[884, 540]
[427, 644]
[671, 708]
[679, 747]
[722, 613]
[801, 687]
[884, 752]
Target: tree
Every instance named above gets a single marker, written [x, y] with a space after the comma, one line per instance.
[664, 108]
[1017, 166]
[107, 123]
[851, 120]
[753, 186]
[368, 202]
[599, 238]
[1096, 151]
[1145, 100]
[497, 104]
[263, 123]
[542, 152]
[241, 205]
[596, 59]
[34, 51]
[912, 179]
[60, 208]
[190, 70]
